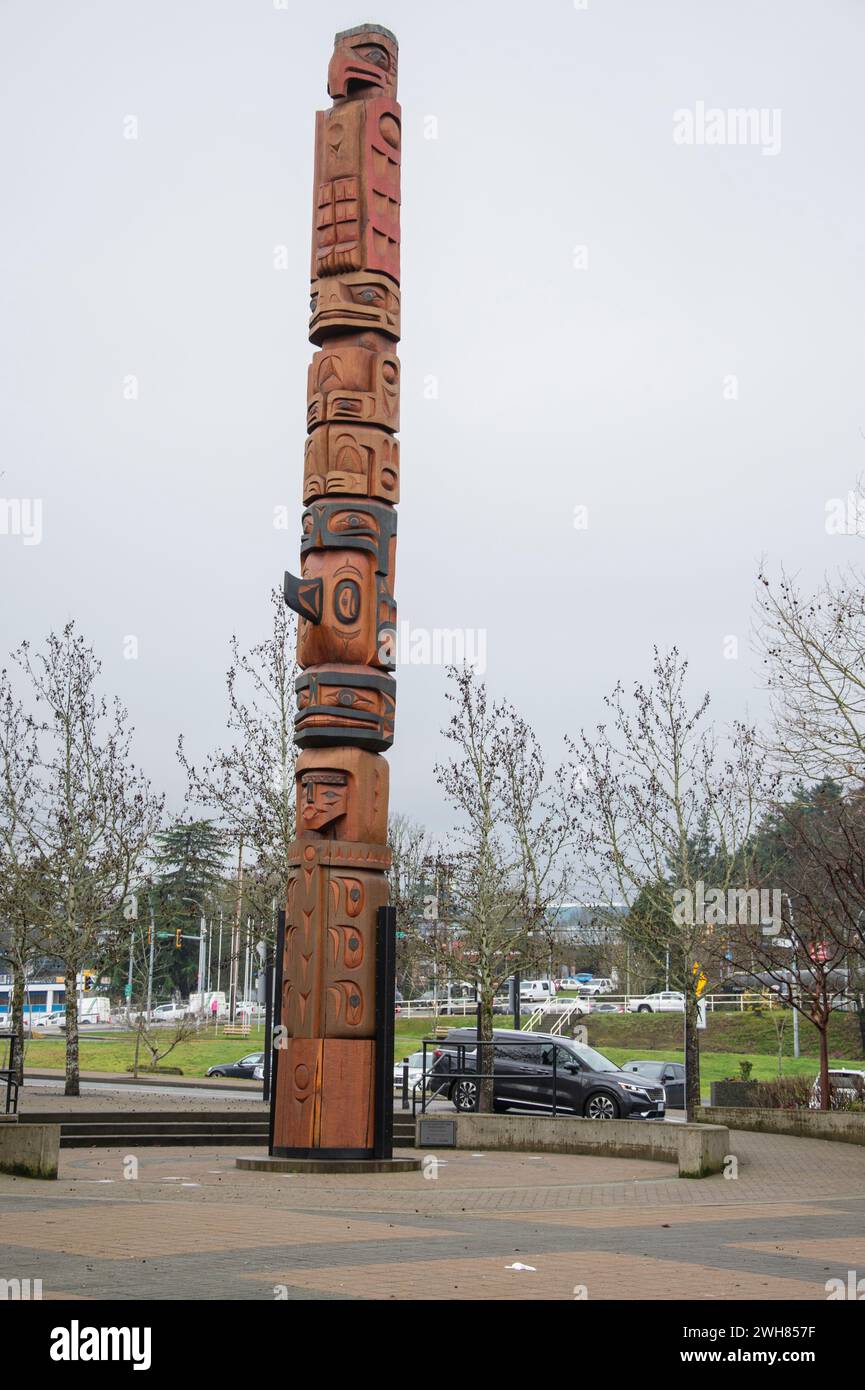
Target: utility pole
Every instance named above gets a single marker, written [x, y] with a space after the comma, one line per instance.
[202, 955]
[150, 963]
[129, 973]
[235, 937]
[219, 955]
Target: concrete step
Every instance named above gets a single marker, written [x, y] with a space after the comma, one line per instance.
[180, 1139]
[100, 1129]
[146, 1117]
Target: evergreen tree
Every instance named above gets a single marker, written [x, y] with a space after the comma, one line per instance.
[190, 857]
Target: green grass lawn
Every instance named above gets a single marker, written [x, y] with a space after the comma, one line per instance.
[719, 1066]
[114, 1052]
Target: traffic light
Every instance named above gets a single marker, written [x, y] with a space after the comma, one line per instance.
[178, 938]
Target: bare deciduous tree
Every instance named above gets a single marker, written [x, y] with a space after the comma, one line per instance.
[20, 878]
[249, 784]
[659, 809]
[813, 651]
[408, 882]
[91, 817]
[508, 853]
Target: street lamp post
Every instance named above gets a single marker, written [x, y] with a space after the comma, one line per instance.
[796, 976]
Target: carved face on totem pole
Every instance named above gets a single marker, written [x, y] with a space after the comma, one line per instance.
[351, 303]
[353, 385]
[363, 58]
[344, 596]
[347, 611]
[345, 705]
[356, 461]
[341, 796]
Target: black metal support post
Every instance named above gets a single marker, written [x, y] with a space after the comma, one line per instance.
[385, 989]
[268, 1024]
[517, 1015]
[272, 1041]
[10, 1074]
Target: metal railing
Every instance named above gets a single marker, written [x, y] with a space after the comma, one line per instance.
[9, 1073]
[568, 1008]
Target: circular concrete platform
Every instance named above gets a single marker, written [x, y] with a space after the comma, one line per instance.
[330, 1165]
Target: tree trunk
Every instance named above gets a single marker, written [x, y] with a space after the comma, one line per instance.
[692, 1055]
[138, 1027]
[485, 1054]
[73, 1084]
[825, 1092]
[17, 1012]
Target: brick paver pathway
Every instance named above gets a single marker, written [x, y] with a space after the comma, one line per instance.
[188, 1224]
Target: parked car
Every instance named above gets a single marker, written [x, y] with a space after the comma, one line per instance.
[244, 1068]
[169, 1013]
[536, 991]
[586, 1082]
[56, 1019]
[600, 1006]
[670, 1075]
[844, 1084]
[249, 1008]
[668, 1001]
[415, 1070]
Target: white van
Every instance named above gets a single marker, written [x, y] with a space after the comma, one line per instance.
[536, 991]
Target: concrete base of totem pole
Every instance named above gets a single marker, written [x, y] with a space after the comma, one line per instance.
[329, 1165]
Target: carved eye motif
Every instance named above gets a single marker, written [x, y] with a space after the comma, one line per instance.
[346, 601]
[353, 523]
[369, 296]
[375, 55]
[313, 303]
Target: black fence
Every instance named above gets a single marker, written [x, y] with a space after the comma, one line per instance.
[465, 1054]
[9, 1070]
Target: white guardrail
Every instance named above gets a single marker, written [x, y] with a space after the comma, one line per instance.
[570, 1008]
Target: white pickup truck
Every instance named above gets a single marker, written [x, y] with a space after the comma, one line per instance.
[668, 1001]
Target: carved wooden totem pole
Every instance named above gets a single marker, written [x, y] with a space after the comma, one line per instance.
[333, 1079]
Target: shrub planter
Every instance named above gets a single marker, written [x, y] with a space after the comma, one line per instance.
[732, 1093]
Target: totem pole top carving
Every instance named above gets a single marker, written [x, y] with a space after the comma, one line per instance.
[363, 57]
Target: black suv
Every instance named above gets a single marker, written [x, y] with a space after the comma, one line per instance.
[527, 1067]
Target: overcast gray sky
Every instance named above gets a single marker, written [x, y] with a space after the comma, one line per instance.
[598, 378]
